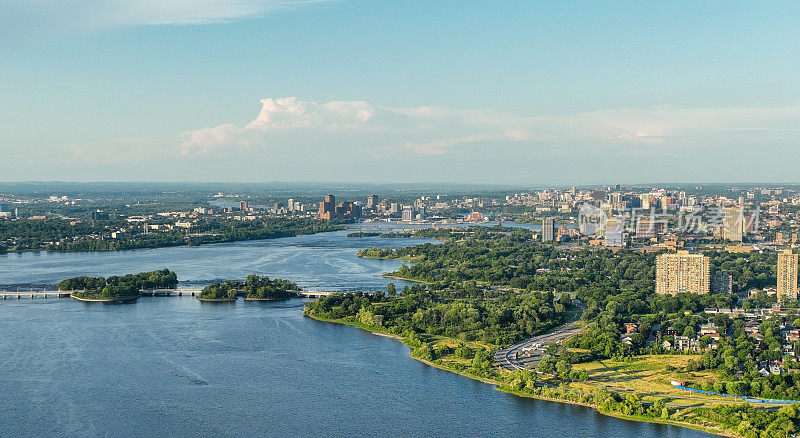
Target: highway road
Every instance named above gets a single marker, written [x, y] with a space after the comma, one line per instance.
[528, 353]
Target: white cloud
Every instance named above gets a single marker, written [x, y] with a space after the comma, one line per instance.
[81, 15]
[292, 139]
[358, 127]
[354, 125]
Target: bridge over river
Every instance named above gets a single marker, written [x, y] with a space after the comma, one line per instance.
[30, 294]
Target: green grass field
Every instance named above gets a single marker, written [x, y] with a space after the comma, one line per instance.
[651, 374]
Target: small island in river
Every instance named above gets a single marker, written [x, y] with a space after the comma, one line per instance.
[117, 288]
[254, 288]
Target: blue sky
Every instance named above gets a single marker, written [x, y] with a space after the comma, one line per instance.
[527, 92]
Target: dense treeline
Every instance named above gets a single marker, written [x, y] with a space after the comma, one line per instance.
[119, 286]
[24, 234]
[221, 291]
[264, 288]
[511, 259]
[467, 313]
[597, 275]
[378, 234]
[254, 287]
[428, 233]
[64, 235]
[755, 269]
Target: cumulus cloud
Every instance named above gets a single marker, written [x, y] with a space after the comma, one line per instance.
[361, 127]
[287, 121]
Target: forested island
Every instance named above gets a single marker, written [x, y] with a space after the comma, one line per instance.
[116, 288]
[106, 235]
[254, 288]
[491, 287]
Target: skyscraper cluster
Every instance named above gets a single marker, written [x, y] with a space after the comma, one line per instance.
[329, 209]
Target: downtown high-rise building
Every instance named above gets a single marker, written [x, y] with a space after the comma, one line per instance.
[372, 201]
[787, 276]
[682, 272]
[327, 208]
[548, 229]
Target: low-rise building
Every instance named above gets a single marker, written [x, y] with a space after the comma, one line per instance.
[707, 329]
[683, 343]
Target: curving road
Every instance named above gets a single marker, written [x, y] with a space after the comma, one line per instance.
[528, 353]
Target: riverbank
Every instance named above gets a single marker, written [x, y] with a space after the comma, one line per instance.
[216, 300]
[501, 386]
[402, 259]
[105, 300]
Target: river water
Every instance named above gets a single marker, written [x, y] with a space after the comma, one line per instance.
[178, 367]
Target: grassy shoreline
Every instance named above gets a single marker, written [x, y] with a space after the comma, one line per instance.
[500, 387]
[394, 277]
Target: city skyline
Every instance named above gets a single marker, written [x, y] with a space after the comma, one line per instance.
[516, 93]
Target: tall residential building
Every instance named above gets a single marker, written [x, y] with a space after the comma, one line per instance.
[721, 283]
[787, 275]
[243, 205]
[682, 273]
[290, 205]
[548, 229]
[733, 223]
[614, 232]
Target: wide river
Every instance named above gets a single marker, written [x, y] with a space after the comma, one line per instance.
[178, 367]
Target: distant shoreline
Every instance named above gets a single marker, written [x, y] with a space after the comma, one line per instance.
[166, 245]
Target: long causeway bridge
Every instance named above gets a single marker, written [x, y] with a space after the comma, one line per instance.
[36, 294]
[30, 294]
